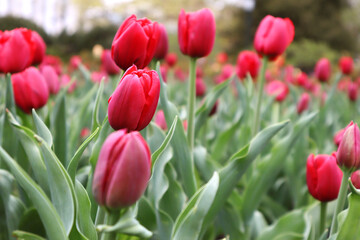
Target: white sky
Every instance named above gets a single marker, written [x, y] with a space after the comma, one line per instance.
[45, 14]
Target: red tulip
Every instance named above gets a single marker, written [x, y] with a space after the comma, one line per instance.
[85, 132]
[222, 58]
[39, 48]
[65, 80]
[302, 79]
[277, 88]
[348, 153]
[51, 78]
[247, 62]
[30, 89]
[75, 61]
[171, 59]
[180, 74]
[196, 32]
[214, 108]
[134, 101]
[96, 77]
[303, 103]
[323, 177]
[226, 72]
[122, 171]
[160, 120]
[346, 65]
[135, 42]
[108, 64]
[352, 91]
[53, 61]
[323, 70]
[200, 87]
[338, 136]
[273, 36]
[163, 71]
[355, 179]
[163, 45]
[16, 50]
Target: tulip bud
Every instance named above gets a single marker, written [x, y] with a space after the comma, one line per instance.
[39, 47]
[163, 71]
[51, 78]
[171, 59]
[226, 72]
[346, 65]
[247, 62]
[108, 64]
[135, 42]
[122, 171]
[163, 45]
[196, 32]
[303, 103]
[53, 61]
[222, 58]
[339, 135]
[96, 77]
[323, 177]
[273, 36]
[200, 87]
[352, 91]
[160, 120]
[302, 79]
[134, 101]
[30, 89]
[65, 80]
[16, 50]
[348, 153]
[355, 179]
[74, 63]
[277, 88]
[323, 70]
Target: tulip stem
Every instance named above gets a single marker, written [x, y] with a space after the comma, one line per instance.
[191, 104]
[323, 206]
[340, 201]
[110, 218]
[259, 99]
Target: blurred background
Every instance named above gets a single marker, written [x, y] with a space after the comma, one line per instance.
[323, 28]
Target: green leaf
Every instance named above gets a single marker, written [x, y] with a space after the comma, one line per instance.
[157, 188]
[104, 132]
[26, 139]
[54, 227]
[189, 222]
[292, 226]
[223, 139]
[74, 162]
[95, 118]
[21, 235]
[184, 161]
[266, 172]
[127, 224]
[42, 129]
[61, 187]
[165, 143]
[350, 228]
[10, 145]
[31, 222]
[84, 222]
[14, 208]
[238, 164]
[203, 112]
[58, 123]
[81, 116]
